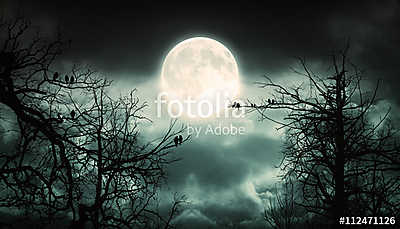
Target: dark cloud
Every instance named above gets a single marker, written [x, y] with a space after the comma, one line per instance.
[126, 37]
[238, 210]
[217, 167]
[218, 172]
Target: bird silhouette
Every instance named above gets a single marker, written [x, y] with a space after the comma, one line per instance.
[269, 100]
[180, 139]
[176, 141]
[55, 75]
[273, 101]
[234, 105]
[237, 105]
[66, 79]
[73, 114]
[72, 80]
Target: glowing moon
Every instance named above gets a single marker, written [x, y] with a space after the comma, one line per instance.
[201, 68]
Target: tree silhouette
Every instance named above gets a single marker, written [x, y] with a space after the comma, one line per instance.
[110, 159]
[280, 211]
[78, 150]
[343, 160]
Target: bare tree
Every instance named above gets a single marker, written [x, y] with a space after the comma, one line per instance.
[332, 147]
[280, 209]
[28, 90]
[75, 141]
[110, 159]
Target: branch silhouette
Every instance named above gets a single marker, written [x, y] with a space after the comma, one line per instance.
[79, 149]
[331, 145]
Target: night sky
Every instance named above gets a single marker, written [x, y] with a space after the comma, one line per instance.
[226, 178]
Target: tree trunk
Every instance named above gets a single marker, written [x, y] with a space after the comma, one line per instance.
[339, 204]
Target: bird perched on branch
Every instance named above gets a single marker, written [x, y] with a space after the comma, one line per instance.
[73, 114]
[72, 80]
[234, 105]
[66, 79]
[269, 101]
[238, 105]
[176, 141]
[273, 101]
[55, 76]
[180, 139]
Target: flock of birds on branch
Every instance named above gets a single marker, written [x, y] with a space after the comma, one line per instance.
[237, 105]
[178, 140]
[68, 80]
[61, 118]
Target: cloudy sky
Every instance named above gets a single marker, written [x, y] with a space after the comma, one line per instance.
[225, 177]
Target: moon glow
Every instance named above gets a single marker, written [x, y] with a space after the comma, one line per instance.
[200, 68]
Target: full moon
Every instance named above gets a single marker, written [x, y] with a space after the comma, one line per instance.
[200, 68]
